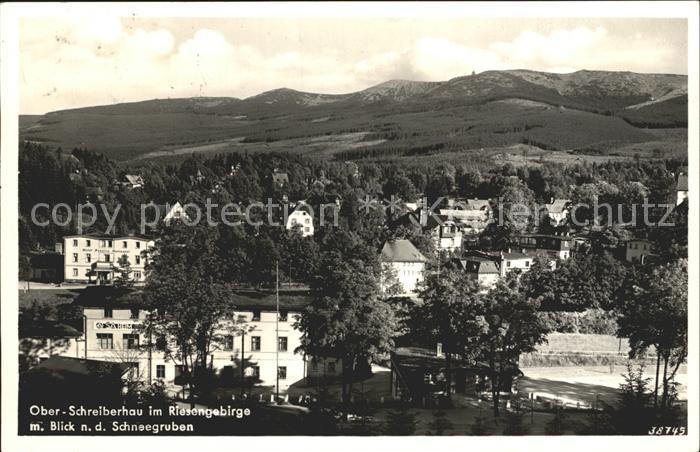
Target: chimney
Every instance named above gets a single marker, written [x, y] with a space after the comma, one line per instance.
[438, 350]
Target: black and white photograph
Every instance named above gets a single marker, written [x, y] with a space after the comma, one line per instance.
[377, 220]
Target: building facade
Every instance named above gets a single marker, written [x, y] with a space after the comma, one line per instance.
[637, 251]
[302, 219]
[94, 258]
[253, 334]
[550, 246]
[406, 262]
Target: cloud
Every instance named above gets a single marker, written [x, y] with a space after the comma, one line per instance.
[77, 62]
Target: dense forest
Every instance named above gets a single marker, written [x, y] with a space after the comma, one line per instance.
[82, 176]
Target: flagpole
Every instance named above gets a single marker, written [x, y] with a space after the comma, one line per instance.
[277, 328]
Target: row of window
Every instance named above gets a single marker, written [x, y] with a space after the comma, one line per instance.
[105, 341]
[131, 341]
[107, 243]
[330, 366]
[105, 258]
[256, 343]
[283, 317]
[136, 275]
[108, 313]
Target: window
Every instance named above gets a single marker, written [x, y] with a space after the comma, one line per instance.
[106, 258]
[87, 242]
[527, 263]
[131, 341]
[75, 257]
[88, 258]
[228, 342]
[331, 366]
[282, 344]
[138, 245]
[137, 275]
[134, 314]
[306, 221]
[283, 316]
[282, 372]
[107, 314]
[75, 272]
[125, 244]
[138, 260]
[255, 343]
[104, 341]
[160, 371]
[256, 315]
[109, 243]
[103, 243]
[75, 242]
[508, 264]
[255, 371]
[306, 229]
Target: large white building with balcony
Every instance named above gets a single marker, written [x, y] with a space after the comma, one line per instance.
[114, 330]
[94, 258]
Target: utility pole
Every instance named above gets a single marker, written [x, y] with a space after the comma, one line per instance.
[242, 362]
[277, 328]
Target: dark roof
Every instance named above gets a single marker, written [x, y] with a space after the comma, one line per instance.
[475, 264]
[97, 236]
[66, 367]
[421, 357]
[682, 182]
[110, 297]
[401, 251]
[117, 298]
[291, 300]
[48, 329]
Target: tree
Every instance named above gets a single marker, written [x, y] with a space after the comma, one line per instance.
[655, 314]
[347, 318]
[514, 425]
[187, 298]
[400, 421]
[509, 326]
[448, 315]
[123, 271]
[440, 424]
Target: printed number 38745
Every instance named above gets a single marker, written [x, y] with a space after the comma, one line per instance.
[655, 430]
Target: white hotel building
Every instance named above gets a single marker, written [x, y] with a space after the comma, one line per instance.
[93, 258]
[114, 331]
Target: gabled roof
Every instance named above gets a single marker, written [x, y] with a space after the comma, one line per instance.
[558, 205]
[401, 251]
[478, 204]
[280, 178]
[682, 182]
[133, 179]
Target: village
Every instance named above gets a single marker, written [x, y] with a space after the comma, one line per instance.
[265, 344]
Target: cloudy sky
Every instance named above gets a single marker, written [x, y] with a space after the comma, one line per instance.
[67, 63]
